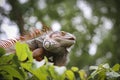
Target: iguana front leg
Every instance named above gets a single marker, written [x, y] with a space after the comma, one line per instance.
[38, 54]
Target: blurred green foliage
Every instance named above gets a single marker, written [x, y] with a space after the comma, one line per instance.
[13, 67]
[100, 30]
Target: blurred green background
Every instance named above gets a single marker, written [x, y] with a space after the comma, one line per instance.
[95, 23]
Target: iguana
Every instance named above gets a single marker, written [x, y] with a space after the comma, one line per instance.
[52, 44]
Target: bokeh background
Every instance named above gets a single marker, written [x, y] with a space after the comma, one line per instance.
[95, 23]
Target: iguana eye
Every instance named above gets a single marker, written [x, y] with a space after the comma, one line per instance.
[63, 33]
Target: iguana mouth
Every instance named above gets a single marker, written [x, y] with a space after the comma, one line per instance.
[67, 38]
[71, 38]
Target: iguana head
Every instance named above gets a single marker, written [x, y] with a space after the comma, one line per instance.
[57, 41]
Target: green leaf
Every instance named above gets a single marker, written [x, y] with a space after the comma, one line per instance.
[21, 51]
[40, 73]
[18, 66]
[95, 72]
[2, 52]
[82, 75]
[29, 54]
[70, 75]
[75, 69]
[6, 59]
[27, 65]
[93, 67]
[106, 66]
[12, 71]
[55, 74]
[116, 67]
[112, 74]
[52, 72]
[5, 76]
[101, 74]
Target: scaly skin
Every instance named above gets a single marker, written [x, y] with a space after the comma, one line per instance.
[53, 45]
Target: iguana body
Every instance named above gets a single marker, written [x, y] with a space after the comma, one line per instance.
[51, 44]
